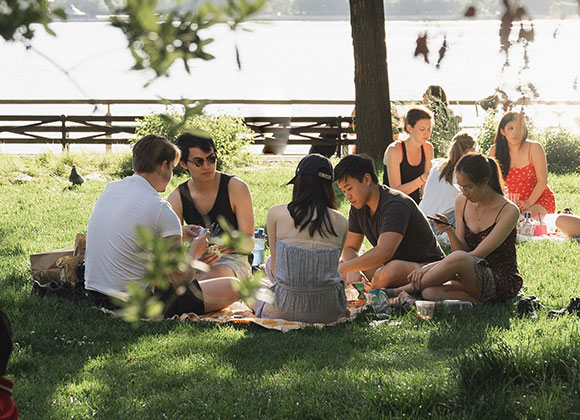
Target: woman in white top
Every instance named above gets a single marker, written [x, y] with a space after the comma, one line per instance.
[306, 238]
[441, 188]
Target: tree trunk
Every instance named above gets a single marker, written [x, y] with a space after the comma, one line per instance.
[373, 106]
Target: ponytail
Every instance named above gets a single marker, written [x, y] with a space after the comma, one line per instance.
[460, 144]
[495, 180]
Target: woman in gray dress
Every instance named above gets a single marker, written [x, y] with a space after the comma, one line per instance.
[306, 238]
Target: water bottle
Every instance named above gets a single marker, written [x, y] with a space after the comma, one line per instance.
[527, 227]
[259, 244]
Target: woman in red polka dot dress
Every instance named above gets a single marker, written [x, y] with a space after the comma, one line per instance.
[523, 165]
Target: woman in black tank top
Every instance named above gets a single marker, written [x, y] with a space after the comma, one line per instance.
[400, 173]
[483, 265]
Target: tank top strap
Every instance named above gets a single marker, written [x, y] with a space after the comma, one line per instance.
[422, 155]
[463, 215]
[224, 181]
[403, 151]
[498, 213]
[190, 213]
[530, 154]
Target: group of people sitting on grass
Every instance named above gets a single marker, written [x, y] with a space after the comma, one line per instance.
[315, 250]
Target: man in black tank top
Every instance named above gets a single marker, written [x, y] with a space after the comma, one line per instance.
[208, 194]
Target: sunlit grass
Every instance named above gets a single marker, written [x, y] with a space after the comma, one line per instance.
[72, 361]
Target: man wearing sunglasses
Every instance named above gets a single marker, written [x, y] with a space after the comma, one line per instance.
[114, 256]
[210, 193]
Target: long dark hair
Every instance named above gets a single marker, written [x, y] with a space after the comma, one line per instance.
[502, 151]
[311, 198]
[480, 170]
[460, 144]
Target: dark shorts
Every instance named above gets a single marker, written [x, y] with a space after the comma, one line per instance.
[176, 301]
[182, 300]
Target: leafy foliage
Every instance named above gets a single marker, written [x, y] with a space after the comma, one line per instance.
[562, 150]
[157, 40]
[486, 133]
[446, 125]
[167, 262]
[229, 134]
[18, 16]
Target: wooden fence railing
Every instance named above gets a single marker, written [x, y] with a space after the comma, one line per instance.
[89, 129]
[111, 129]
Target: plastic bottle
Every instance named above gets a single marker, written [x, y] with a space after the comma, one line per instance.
[505, 190]
[259, 244]
[527, 227]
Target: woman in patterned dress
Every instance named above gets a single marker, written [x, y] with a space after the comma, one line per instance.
[523, 165]
[483, 265]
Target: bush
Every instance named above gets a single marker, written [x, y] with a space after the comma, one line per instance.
[562, 150]
[486, 133]
[445, 126]
[229, 134]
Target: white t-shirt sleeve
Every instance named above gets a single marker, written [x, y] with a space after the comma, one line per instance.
[167, 222]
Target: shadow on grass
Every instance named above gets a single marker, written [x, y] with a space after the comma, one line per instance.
[458, 330]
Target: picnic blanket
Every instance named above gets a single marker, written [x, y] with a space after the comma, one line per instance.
[239, 313]
[553, 234]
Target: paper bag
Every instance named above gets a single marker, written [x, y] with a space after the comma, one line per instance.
[68, 268]
[44, 264]
[80, 246]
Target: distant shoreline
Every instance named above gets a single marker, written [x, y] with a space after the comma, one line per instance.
[332, 18]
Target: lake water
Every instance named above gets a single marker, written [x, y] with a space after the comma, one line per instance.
[290, 60]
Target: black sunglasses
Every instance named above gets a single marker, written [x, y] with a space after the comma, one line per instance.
[197, 161]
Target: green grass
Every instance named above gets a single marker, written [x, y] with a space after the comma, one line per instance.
[73, 361]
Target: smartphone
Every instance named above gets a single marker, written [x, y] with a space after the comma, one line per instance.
[201, 231]
[439, 221]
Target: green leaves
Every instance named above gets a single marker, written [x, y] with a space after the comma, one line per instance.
[233, 239]
[157, 40]
[165, 260]
[17, 17]
[178, 122]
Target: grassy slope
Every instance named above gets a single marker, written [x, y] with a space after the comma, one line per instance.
[76, 362]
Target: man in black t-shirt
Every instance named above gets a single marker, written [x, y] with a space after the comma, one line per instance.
[401, 236]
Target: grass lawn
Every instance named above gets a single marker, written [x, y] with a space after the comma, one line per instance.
[73, 361]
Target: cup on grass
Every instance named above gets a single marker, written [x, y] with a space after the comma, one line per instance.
[540, 230]
[513, 197]
[425, 309]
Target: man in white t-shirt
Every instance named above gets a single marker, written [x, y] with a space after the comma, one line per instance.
[113, 253]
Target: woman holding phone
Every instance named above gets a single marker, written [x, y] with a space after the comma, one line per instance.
[483, 265]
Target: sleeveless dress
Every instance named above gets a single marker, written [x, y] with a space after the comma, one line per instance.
[221, 206]
[523, 180]
[409, 172]
[307, 286]
[502, 263]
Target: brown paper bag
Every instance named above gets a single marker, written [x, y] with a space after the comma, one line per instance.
[44, 264]
[68, 268]
[80, 246]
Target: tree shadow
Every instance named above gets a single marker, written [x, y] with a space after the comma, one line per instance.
[461, 329]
